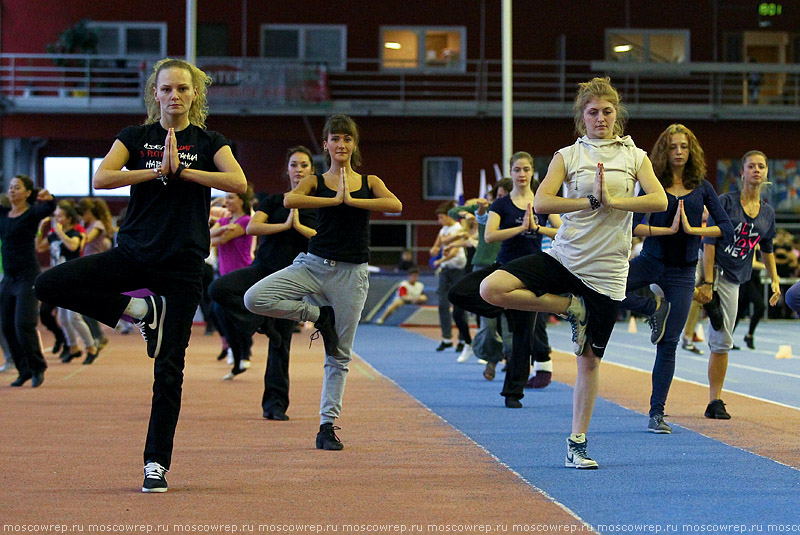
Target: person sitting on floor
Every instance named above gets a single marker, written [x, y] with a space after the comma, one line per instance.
[409, 292]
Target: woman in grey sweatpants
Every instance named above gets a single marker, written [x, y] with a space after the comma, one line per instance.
[328, 285]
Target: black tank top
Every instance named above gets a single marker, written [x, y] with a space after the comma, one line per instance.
[342, 231]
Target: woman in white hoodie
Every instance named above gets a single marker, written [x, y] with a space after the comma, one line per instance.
[589, 257]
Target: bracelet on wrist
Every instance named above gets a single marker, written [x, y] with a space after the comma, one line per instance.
[593, 202]
[178, 171]
[160, 176]
[706, 283]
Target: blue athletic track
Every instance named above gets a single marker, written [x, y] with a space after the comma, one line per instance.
[679, 483]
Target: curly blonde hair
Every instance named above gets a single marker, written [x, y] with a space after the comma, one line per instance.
[198, 112]
[598, 88]
[695, 170]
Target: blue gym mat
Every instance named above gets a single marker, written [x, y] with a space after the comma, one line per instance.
[683, 482]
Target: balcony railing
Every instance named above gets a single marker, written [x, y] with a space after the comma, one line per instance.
[108, 84]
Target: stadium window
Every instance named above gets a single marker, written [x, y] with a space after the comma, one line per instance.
[212, 39]
[123, 191]
[423, 48]
[654, 46]
[141, 39]
[321, 43]
[439, 177]
[66, 176]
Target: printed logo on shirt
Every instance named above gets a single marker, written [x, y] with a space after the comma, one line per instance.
[745, 240]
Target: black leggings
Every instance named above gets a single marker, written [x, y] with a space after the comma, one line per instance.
[227, 292]
[48, 319]
[751, 291]
[18, 315]
[178, 279]
[466, 294]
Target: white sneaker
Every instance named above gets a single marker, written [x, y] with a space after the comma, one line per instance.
[466, 353]
[576, 315]
[577, 457]
[229, 377]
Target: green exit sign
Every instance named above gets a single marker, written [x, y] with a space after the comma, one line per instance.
[769, 9]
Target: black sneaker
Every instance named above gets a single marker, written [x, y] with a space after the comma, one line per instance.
[152, 325]
[21, 380]
[444, 345]
[460, 347]
[716, 411]
[714, 311]
[748, 339]
[513, 403]
[37, 379]
[326, 326]
[689, 346]
[658, 322]
[327, 439]
[275, 413]
[67, 356]
[154, 480]
[90, 357]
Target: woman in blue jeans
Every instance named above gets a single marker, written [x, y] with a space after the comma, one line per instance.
[670, 253]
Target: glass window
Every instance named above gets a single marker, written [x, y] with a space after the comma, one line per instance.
[324, 43]
[439, 177]
[124, 191]
[423, 48]
[142, 41]
[148, 39]
[657, 46]
[400, 49]
[212, 39]
[108, 41]
[66, 176]
[281, 44]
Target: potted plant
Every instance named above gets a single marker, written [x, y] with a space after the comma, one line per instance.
[78, 39]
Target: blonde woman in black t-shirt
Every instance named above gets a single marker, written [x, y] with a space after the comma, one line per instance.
[328, 285]
[173, 163]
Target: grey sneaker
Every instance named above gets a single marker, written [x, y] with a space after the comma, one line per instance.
[658, 322]
[658, 426]
[576, 315]
[577, 457]
[154, 480]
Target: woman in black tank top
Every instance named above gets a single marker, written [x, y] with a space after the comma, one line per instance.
[328, 285]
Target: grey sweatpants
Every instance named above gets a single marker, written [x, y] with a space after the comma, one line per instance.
[297, 291]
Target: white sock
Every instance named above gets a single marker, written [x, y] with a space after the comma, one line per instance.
[137, 308]
[543, 366]
[578, 437]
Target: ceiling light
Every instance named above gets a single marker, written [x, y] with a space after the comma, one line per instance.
[622, 48]
[392, 45]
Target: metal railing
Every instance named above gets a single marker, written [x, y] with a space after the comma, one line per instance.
[31, 76]
[541, 88]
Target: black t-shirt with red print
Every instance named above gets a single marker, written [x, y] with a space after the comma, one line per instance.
[168, 219]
